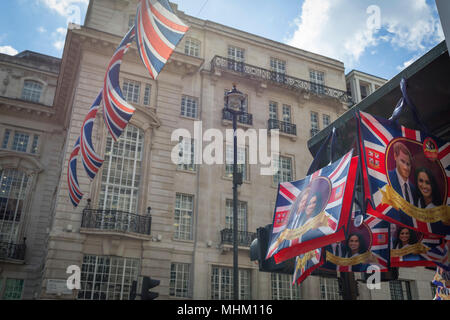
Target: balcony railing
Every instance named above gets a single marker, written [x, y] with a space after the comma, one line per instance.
[116, 221]
[281, 79]
[244, 238]
[284, 127]
[246, 118]
[12, 251]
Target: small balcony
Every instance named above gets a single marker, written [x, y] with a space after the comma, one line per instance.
[116, 222]
[284, 127]
[12, 251]
[244, 238]
[245, 119]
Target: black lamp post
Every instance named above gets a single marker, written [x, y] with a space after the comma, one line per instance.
[234, 104]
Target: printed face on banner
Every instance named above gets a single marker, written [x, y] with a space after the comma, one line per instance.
[408, 176]
[363, 246]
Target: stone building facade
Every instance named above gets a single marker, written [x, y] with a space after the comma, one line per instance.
[188, 247]
[361, 84]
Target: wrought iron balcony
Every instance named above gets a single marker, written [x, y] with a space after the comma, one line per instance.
[246, 118]
[244, 238]
[284, 127]
[116, 221]
[12, 251]
[314, 132]
[281, 79]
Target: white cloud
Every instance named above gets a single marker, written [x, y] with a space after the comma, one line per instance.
[63, 7]
[41, 30]
[59, 37]
[339, 28]
[8, 50]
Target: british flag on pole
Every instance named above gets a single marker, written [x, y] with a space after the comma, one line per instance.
[409, 175]
[312, 212]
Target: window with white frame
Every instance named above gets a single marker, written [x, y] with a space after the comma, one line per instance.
[400, 290]
[326, 120]
[283, 289]
[278, 65]
[121, 173]
[284, 165]
[186, 154]
[273, 110]
[222, 284]
[329, 289]
[32, 91]
[20, 141]
[242, 215]
[107, 277]
[314, 123]
[192, 47]
[287, 113]
[317, 79]
[189, 107]
[131, 90]
[13, 289]
[236, 58]
[241, 161]
[14, 188]
[364, 90]
[184, 209]
[147, 94]
[179, 280]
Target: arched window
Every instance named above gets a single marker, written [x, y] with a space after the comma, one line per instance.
[14, 188]
[122, 171]
[32, 91]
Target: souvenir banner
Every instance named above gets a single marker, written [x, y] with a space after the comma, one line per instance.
[306, 263]
[409, 175]
[411, 249]
[364, 245]
[442, 282]
[312, 212]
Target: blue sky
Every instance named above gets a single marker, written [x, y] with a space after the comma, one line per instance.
[375, 36]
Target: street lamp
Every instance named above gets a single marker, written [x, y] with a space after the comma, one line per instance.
[234, 102]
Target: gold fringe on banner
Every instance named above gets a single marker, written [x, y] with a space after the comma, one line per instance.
[417, 248]
[302, 262]
[361, 258]
[431, 215]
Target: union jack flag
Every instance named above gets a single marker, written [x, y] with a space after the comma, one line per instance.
[304, 268]
[327, 186]
[75, 193]
[377, 137]
[158, 31]
[117, 111]
[91, 160]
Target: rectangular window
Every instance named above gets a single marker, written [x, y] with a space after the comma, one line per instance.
[286, 113]
[184, 206]
[317, 79]
[242, 215]
[400, 290]
[20, 141]
[147, 94]
[326, 120]
[131, 20]
[282, 288]
[32, 91]
[189, 107]
[278, 65]
[179, 280]
[236, 58]
[222, 284]
[241, 161]
[186, 154]
[284, 165]
[6, 139]
[121, 173]
[314, 123]
[192, 47]
[364, 91]
[13, 289]
[34, 146]
[329, 289]
[131, 90]
[273, 110]
[107, 278]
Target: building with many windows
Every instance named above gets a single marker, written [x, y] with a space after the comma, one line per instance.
[361, 84]
[144, 215]
[32, 135]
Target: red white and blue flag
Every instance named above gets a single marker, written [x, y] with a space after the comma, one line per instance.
[158, 31]
[75, 193]
[305, 264]
[327, 193]
[378, 137]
